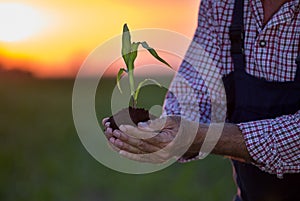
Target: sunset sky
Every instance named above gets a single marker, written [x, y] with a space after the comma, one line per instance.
[53, 37]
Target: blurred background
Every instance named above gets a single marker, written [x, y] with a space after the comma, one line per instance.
[42, 45]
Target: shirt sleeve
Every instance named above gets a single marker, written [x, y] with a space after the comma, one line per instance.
[195, 91]
[274, 144]
[197, 80]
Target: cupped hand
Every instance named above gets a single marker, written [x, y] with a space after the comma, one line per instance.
[155, 141]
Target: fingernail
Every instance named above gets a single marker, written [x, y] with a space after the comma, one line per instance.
[119, 142]
[117, 134]
[109, 130]
[143, 124]
[112, 140]
[107, 124]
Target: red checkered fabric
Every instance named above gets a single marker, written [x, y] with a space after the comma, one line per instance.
[270, 51]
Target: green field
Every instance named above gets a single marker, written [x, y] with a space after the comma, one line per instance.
[42, 158]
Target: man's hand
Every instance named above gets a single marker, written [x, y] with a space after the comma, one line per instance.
[155, 141]
[159, 140]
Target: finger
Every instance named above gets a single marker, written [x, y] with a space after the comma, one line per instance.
[148, 138]
[108, 133]
[136, 132]
[105, 120]
[153, 125]
[107, 125]
[127, 147]
[135, 142]
[114, 148]
[162, 139]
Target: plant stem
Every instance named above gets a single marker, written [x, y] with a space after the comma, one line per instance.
[132, 88]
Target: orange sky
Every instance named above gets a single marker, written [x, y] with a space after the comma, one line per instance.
[73, 28]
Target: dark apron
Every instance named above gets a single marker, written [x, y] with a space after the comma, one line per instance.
[249, 99]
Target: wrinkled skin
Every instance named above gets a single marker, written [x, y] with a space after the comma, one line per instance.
[165, 138]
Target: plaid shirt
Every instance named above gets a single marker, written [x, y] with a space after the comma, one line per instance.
[270, 52]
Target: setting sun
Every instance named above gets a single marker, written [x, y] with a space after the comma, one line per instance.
[51, 38]
[18, 22]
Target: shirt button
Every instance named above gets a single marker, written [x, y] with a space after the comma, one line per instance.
[262, 43]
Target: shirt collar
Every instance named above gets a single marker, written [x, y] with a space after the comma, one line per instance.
[287, 12]
[294, 5]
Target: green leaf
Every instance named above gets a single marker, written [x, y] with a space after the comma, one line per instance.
[126, 44]
[119, 76]
[133, 55]
[154, 53]
[141, 84]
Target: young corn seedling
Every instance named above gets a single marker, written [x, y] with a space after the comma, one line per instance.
[129, 54]
[132, 115]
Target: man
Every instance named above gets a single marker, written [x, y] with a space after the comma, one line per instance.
[255, 44]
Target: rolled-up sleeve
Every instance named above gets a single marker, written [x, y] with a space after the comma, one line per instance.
[274, 144]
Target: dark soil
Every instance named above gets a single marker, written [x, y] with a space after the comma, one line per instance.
[129, 116]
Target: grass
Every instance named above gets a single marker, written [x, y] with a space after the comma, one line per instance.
[42, 158]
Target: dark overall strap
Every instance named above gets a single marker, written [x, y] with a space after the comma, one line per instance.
[249, 99]
[236, 33]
